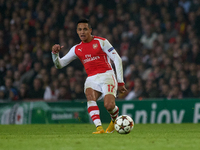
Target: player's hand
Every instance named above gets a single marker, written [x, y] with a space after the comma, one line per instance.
[56, 48]
[122, 89]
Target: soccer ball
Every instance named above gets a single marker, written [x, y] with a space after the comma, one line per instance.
[124, 124]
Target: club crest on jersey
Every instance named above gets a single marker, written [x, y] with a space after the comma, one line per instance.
[95, 46]
[110, 49]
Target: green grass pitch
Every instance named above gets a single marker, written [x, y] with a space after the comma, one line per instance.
[80, 137]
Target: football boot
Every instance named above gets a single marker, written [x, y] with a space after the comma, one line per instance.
[99, 130]
[110, 128]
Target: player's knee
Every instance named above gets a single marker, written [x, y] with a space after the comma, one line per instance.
[109, 106]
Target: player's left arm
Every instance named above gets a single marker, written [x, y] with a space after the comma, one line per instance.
[112, 53]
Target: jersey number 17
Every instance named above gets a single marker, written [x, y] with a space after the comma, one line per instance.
[110, 88]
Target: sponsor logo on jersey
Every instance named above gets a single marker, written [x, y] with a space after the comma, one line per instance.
[90, 59]
[110, 49]
[95, 46]
[79, 49]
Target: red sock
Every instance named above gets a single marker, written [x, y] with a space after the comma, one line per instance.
[114, 113]
[93, 111]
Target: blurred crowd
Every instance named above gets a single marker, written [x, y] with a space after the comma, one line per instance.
[158, 41]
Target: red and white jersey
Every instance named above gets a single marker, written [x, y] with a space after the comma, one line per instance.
[95, 56]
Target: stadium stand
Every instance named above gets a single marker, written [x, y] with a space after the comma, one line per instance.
[158, 41]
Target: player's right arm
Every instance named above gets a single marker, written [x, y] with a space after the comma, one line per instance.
[62, 62]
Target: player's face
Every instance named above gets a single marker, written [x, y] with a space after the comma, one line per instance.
[84, 32]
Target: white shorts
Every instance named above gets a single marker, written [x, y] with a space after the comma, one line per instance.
[104, 83]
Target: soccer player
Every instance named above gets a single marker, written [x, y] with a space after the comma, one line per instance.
[95, 54]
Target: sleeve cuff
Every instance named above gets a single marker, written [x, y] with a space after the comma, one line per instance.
[120, 84]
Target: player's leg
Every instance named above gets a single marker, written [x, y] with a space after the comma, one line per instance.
[109, 90]
[109, 104]
[93, 109]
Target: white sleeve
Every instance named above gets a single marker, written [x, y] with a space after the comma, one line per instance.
[65, 60]
[112, 53]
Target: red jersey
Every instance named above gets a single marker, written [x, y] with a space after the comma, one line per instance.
[95, 56]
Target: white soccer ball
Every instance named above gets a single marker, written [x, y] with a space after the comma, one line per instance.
[124, 124]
